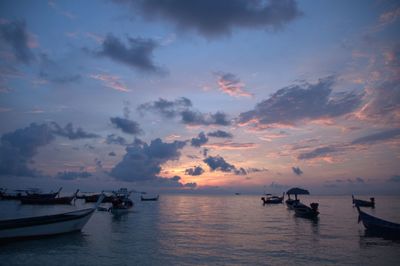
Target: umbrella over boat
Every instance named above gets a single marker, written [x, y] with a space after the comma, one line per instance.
[297, 191]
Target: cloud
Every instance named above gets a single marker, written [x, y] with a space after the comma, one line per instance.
[297, 170]
[114, 139]
[378, 137]
[111, 81]
[111, 153]
[195, 171]
[394, 178]
[168, 109]
[275, 185]
[69, 132]
[298, 103]
[229, 145]
[15, 35]
[383, 103]
[137, 54]
[19, 147]
[142, 161]
[231, 85]
[218, 163]
[55, 72]
[69, 175]
[215, 19]
[196, 118]
[126, 125]
[200, 140]
[182, 107]
[317, 153]
[220, 134]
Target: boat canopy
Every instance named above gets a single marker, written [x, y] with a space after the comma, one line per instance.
[297, 191]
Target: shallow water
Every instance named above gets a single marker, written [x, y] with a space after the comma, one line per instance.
[211, 230]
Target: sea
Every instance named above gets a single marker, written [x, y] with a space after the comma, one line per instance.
[211, 230]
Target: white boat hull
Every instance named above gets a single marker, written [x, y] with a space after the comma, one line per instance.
[70, 222]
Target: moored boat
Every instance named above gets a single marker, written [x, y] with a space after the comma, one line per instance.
[39, 195]
[49, 201]
[149, 198]
[363, 203]
[270, 199]
[46, 225]
[305, 211]
[291, 203]
[378, 226]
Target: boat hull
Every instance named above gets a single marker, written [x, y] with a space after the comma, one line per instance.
[44, 225]
[379, 226]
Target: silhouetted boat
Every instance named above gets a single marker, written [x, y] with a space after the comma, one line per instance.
[46, 225]
[363, 203]
[269, 199]
[295, 191]
[95, 197]
[39, 195]
[48, 201]
[149, 198]
[378, 226]
[303, 210]
[121, 203]
[16, 195]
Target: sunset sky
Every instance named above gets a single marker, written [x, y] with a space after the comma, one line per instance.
[201, 96]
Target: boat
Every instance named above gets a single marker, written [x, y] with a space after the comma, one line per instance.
[95, 197]
[39, 195]
[295, 191]
[49, 201]
[149, 198]
[305, 211]
[363, 203]
[269, 199]
[121, 206]
[46, 225]
[378, 226]
[121, 203]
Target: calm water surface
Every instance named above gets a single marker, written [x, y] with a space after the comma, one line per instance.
[211, 230]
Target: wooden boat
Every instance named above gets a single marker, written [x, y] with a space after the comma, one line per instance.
[295, 191]
[149, 198]
[378, 226]
[17, 195]
[49, 201]
[304, 211]
[95, 197]
[269, 199]
[363, 203]
[38, 195]
[46, 225]
[121, 206]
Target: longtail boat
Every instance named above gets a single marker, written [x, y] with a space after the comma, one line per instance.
[46, 225]
[149, 198]
[49, 201]
[363, 203]
[378, 226]
[269, 199]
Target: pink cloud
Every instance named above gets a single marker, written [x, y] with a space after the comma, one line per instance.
[111, 81]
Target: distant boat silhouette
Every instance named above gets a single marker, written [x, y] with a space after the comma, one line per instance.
[269, 199]
[149, 198]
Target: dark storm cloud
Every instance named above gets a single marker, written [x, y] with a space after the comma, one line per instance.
[15, 35]
[220, 134]
[111, 153]
[19, 147]
[378, 137]
[70, 175]
[114, 139]
[200, 140]
[218, 163]
[126, 125]
[142, 161]
[218, 18]
[182, 108]
[168, 109]
[137, 54]
[195, 171]
[318, 152]
[302, 102]
[69, 132]
[297, 170]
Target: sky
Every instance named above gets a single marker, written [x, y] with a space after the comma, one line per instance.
[201, 96]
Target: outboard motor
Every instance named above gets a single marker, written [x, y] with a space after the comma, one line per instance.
[314, 206]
